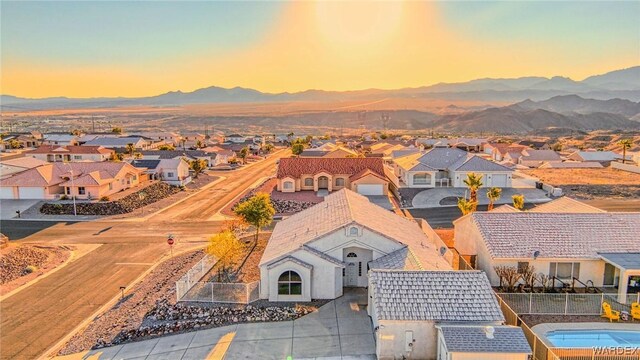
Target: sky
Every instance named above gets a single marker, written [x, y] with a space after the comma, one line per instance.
[144, 48]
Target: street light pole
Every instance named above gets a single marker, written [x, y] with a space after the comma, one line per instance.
[75, 211]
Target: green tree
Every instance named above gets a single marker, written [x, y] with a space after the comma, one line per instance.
[244, 152]
[267, 148]
[518, 201]
[626, 145]
[466, 206]
[473, 182]
[226, 248]
[137, 155]
[76, 132]
[257, 211]
[384, 136]
[14, 144]
[117, 130]
[199, 144]
[308, 139]
[198, 165]
[166, 147]
[297, 148]
[493, 194]
[116, 157]
[130, 148]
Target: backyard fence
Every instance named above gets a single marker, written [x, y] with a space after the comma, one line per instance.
[564, 304]
[193, 276]
[602, 354]
[233, 293]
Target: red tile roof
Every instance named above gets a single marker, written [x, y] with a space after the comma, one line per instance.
[295, 167]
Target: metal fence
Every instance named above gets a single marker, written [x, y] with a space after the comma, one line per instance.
[564, 304]
[194, 275]
[235, 293]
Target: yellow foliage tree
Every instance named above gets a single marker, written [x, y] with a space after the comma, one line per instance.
[225, 247]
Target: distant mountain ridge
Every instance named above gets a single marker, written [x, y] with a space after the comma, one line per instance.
[623, 84]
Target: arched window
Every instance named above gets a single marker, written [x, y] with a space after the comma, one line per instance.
[340, 182]
[308, 182]
[289, 283]
[353, 231]
[288, 185]
[422, 178]
[352, 255]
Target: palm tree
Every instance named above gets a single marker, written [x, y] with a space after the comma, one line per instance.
[518, 201]
[473, 182]
[493, 195]
[130, 148]
[626, 144]
[466, 206]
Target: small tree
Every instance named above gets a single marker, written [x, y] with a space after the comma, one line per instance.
[257, 211]
[473, 182]
[528, 274]
[466, 206]
[197, 166]
[224, 246]
[137, 155]
[117, 130]
[244, 152]
[297, 148]
[267, 148]
[508, 275]
[130, 148]
[199, 144]
[493, 195]
[518, 201]
[166, 147]
[544, 280]
[14, 144]
[76, 132]
[625, 144]
[116, 157]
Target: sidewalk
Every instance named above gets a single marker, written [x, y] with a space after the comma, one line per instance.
[341, 329]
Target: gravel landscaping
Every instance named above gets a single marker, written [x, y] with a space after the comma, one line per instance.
[20, 264]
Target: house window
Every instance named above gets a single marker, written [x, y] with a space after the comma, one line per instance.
[289, 283]
[339, 182]
[352, 255]
[169, 174]
[422, 178]
[564, 270]
[522, 265]
[81, 190]
[67, 190]
[353, 231]
[288, 185]
[344, 273]
[77, 157]
[360, 268]
[308, 182]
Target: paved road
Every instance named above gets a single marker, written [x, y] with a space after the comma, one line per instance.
[443, 217]
[19, 229]
[37, 317]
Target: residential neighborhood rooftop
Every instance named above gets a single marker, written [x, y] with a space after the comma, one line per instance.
[474, 339]
[298, 166]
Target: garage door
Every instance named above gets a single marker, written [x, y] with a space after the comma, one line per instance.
[6, 193]
[31, 193]
[371, 189]
[499, 180]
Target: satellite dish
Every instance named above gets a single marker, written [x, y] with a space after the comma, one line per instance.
[443, 250]
[536, 254]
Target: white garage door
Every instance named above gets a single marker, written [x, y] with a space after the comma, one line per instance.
[6, 193]
[31, 193]
[371, 189]
[499, 180]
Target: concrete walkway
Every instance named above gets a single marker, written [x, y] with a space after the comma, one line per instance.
[340, 329]
[431, 198]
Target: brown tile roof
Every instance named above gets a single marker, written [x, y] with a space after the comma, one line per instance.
[57, 149]
[295, 167]
[57, 173]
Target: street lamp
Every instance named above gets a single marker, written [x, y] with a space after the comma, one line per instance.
[75, 211]
[141, 196]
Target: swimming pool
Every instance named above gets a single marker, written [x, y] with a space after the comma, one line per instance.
[591, 338]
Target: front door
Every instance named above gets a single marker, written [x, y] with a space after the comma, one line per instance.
[323, 182]
[351, 270]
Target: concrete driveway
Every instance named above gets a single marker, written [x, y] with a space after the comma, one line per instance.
[8, 208]
[431, 198]
[340, 329]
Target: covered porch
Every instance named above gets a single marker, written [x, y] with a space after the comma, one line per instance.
[627, 271]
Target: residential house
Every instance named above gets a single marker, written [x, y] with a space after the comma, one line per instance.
[60, 139]
[23, 141]
[603, 157]
[449, 167]
[498, 151]
[55, 153]
[218, 155]
[427, 314]
[235, 138]
[138, 142]
[466, 144]
[328, 152]
[317, 252]
[572, 165]
[428, 143]
[13, 166]
[366, 176]
[172, 171]
[84, 180]
[189, 155]
[564, 241]
[192, 139]
[166, 137]
[535, 158]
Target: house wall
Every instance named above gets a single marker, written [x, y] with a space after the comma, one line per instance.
[368, 180]
[59, 157]
[391, 341]
[407, 178]
[460, 176]
[299, 184]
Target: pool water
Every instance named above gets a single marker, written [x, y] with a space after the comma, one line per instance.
[591, 338]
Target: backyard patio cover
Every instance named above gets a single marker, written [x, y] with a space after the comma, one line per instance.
[628, 264]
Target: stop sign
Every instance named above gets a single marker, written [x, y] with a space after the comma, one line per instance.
[170, 241]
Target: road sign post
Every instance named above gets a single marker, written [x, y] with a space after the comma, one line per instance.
[171, 241]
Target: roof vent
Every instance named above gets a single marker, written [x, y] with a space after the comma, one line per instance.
[443, 250]
[489, 331]
[536, 254]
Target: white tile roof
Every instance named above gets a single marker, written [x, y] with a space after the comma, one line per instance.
[402, 259]
[473, 339]
[557, 235]
[565, 205]
[434, 295]
[339, 210]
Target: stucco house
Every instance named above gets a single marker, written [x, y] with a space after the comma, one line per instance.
[13, 166]
[235, 138]
[535, 158]
[172, 171]
[84, 180]
[139, 143]
[327, 151]
[60, 139]
[563, 240]
[70, 153]
[318, 251]
[444, 315]
[442, 167]
[603, 157]
[366, 176]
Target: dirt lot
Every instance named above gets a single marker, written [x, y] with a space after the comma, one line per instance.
[15, 259]
[589, 184]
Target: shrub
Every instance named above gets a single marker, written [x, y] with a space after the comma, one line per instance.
[183, 188]
[29, 269]
[64, 197]
[104, 198]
